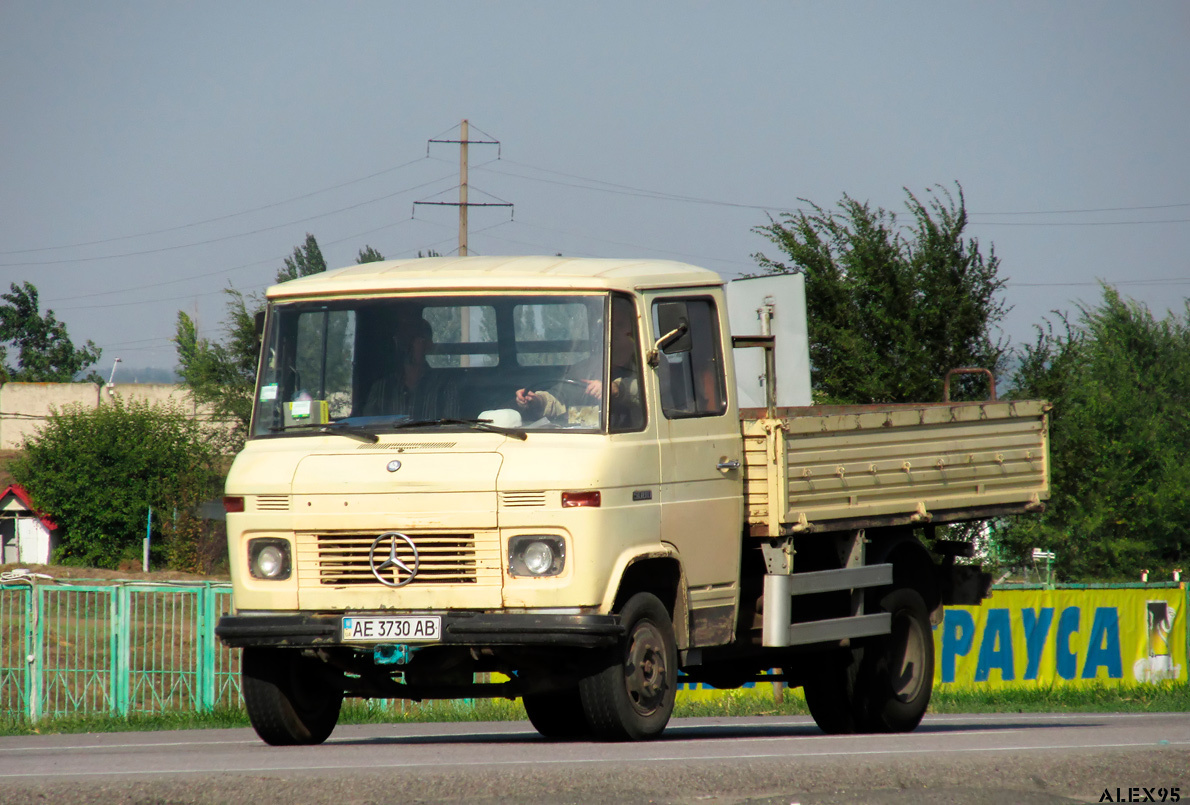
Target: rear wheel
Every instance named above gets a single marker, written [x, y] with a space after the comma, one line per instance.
[830, 693]
[633, 697]
[291, 699]
[898, 668]
[557, 714]
[883, 685]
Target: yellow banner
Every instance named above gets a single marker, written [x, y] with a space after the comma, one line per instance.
[1039, 638]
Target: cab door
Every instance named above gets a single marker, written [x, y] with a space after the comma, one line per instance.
[701, 454]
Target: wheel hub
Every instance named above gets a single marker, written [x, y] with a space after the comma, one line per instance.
[645, 675]
[908, 658]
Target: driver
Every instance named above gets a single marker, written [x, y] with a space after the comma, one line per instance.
[578, 397]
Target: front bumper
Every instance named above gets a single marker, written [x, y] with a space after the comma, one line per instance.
[458, 629]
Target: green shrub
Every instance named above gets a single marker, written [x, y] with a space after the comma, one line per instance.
[96, 472]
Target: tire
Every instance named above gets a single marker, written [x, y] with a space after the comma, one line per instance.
[633, 697]
[291, 699]
[830, 693]
[897, 671]
[557, 714]
[883, 684]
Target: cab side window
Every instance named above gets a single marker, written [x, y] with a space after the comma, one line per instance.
[690, 370]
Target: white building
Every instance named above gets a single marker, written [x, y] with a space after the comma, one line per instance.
[26, 537]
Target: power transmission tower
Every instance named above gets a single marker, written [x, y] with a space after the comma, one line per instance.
[463, 204]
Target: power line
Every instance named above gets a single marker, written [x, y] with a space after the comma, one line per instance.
[631, 245]
[1072, 212]
[154, 340]
[192, 277]
[626, 190]
[1165, 281]
[254, 289]
[1079, 223]
[621, 189]
[226, 237]
[218, 218]
[145, 301]
[476, 232]
[140, 286]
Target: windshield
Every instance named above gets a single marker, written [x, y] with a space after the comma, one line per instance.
[509, 361]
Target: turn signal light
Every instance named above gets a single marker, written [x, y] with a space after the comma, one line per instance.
[580, 499]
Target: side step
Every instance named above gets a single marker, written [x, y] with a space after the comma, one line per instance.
[779, 590]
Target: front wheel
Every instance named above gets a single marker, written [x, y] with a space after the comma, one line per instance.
[633, 697]
[291, 699]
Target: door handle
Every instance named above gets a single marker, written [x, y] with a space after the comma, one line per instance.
[730, 464]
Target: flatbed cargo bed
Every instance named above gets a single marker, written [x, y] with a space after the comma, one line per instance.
[832, 468]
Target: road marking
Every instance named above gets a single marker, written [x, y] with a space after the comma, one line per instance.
[453, 737]
[75, 747]
[576, 761]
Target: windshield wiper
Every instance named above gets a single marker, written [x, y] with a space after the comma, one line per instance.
[333, 428]
[481, 424]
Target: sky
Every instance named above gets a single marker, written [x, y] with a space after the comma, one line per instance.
[154, 154]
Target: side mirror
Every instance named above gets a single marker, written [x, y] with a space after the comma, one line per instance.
[672, 321]
[258, 320]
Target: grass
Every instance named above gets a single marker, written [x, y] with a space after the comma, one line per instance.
[141, 722]
[1166, 697]
[354, 712]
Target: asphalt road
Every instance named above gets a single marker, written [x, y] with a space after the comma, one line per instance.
[969, 759]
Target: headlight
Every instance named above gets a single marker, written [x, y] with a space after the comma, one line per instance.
[536, 556]
[269, 559]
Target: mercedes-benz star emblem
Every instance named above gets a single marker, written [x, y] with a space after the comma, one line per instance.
[394, 465]
[392, 570]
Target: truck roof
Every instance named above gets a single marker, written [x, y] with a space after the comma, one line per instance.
[489, 273]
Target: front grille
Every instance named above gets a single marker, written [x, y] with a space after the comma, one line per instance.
[444, 559]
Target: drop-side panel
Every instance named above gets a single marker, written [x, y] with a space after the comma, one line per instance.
[860, 463]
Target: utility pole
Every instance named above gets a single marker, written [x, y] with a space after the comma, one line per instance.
[463, 189]
[464, 203]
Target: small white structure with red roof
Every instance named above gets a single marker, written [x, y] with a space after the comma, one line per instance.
[26, 536]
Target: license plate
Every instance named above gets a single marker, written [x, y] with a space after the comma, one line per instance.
[393, 628]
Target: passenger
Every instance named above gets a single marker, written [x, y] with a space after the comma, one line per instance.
[414, 389]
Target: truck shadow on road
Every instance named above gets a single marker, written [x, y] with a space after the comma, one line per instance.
[698, 732]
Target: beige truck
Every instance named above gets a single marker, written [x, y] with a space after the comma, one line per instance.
[541, 478]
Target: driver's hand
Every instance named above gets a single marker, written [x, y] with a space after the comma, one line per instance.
[594, 388]
[525, 398]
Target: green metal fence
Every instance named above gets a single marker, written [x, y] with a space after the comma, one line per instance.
[132, 647]
[121, 648]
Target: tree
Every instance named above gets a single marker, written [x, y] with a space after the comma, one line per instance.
[306, 260]
[1119, 381]
[891, 309]
[222, 374]
[45, 353]
[368, 255]
[97, 471]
